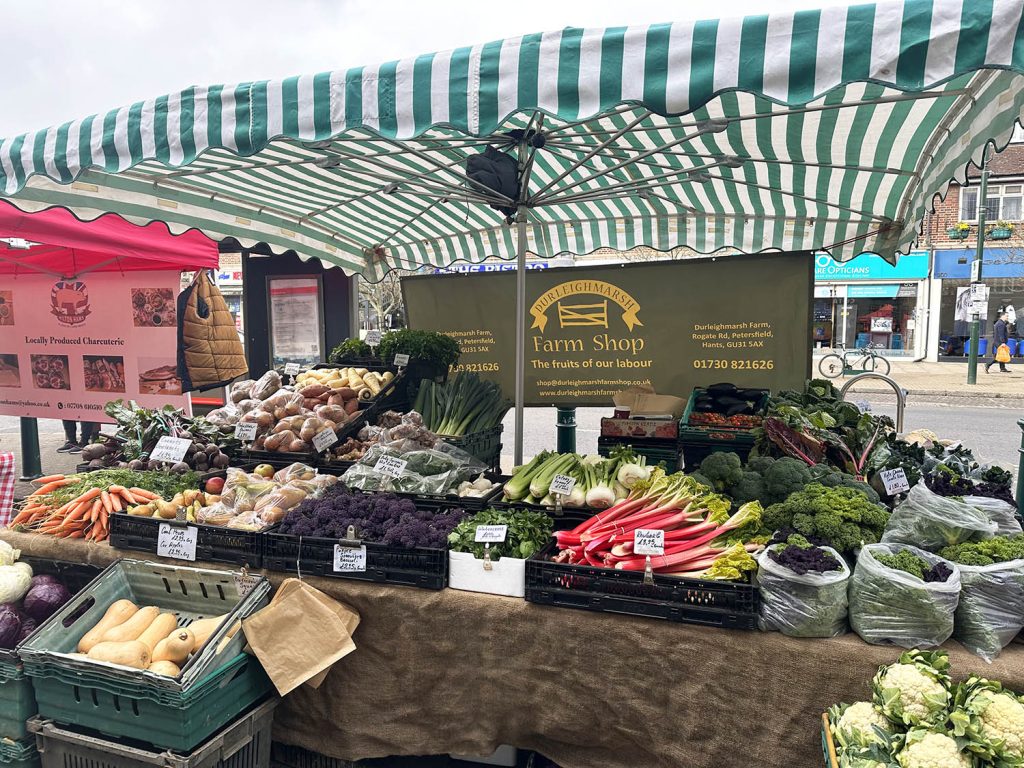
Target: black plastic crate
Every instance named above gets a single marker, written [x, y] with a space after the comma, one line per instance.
[654, 450]
[691, 601]
[485, 445]
[214, 543]
[314, 556]
[696, 449]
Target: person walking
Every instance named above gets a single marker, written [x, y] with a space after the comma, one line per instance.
[89, 431]
[1001, 333]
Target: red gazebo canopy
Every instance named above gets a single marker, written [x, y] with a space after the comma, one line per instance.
[63, 246]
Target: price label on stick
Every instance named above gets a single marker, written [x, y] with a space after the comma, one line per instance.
[895, 481]
[177, 541]
[401, 360]
[292, 369]
[389, 466]
[491, 534]
[170, 449]
[372, 338]
[324, 439]
[562, 484]
[348, 559]
[245, 432]
[648, 541]
[245, 583]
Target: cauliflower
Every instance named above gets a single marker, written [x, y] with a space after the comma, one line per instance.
[855, 725]
[855, 760]
[915, 690]
[925, 749]
[992, 719]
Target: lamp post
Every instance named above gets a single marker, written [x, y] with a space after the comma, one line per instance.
[972, 358]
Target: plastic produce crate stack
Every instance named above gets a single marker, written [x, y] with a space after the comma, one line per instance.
[19, 754]
[703, 432]
[245, 743]
[113, 702]
[485, 445]
[654, 450]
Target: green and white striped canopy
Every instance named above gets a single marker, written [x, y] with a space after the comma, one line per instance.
[819, 130]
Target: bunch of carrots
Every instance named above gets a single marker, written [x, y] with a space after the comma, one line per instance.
[76, 506]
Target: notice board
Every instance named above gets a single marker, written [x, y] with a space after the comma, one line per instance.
[68, 346]
[593, 331]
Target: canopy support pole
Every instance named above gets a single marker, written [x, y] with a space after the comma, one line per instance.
[520, 328]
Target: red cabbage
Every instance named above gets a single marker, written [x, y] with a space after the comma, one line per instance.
[10, 627]
[28, 626]
[43, 600]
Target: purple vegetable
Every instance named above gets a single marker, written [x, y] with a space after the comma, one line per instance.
[10, 627]
[44, 578]
[43, 600]
[28, 626]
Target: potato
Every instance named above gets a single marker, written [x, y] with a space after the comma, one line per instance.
[346, 392]
[298, 445]
[310, 427]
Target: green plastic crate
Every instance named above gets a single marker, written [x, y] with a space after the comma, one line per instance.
[19, 754]
[190, 593]
[17, 702]
[169, 721]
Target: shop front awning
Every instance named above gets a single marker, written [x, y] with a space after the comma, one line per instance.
[818, 130]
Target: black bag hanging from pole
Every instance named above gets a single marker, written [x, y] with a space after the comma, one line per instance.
[497, 172]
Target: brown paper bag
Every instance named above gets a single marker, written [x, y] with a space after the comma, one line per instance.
[300, 635]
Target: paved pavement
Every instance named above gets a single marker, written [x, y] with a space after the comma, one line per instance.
[948, 380]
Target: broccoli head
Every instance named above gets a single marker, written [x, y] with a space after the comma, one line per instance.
[786, 476]
[699, 478]
[760, 464]
[724, 470]
[749, 488]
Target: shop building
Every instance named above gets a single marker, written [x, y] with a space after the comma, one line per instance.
[953, 233]
[869, 301]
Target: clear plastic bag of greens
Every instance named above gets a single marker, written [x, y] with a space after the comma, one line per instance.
[802, 605]
[991, 608]
[888, 605]
[1001, 513]
[927, 520]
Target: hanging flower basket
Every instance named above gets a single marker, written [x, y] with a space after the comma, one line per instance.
[955, 233]
[1000, 233]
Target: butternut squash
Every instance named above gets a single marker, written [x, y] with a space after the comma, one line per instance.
[162, 626]
[130, 653]
[118, 613]
[176, 647]
[227, 638]
[134, 627]
[168, 668]
[203, 628]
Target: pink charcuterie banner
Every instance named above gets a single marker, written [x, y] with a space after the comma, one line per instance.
[69, 346]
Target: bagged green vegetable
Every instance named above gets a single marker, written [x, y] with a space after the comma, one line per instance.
[1001, 513]
[927, 520]
[891, 606]
[991, 608]
[807, 605]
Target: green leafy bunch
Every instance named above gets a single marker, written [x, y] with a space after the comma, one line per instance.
[350, 349]
[998, 549]
[528, 531]
[841, 516]
[426, 346]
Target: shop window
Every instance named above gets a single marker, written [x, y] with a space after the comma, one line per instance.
[1003, 203]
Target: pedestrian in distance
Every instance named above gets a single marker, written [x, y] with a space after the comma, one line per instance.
[1001, 333]
[90, 430]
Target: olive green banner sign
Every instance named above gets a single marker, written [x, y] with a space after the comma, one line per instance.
[593, 331]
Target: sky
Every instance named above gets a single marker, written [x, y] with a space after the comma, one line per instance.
[66, 59]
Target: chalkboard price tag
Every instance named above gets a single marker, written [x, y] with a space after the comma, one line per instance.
[178, 542]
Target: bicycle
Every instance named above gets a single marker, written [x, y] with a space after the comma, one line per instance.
[836, 364]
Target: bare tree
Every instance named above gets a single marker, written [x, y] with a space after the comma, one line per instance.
[384, 298]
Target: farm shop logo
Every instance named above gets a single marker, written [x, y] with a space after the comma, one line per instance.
[595, 314]
[69, 302]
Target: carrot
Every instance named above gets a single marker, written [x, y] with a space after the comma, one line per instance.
[24, 516]
[125, 494]
[47, 479]
[76, 535]
[75, 514]
[97, 507]
[105, 498]
[143, 493]
[115, 502]
[50, 487]
[92, 493]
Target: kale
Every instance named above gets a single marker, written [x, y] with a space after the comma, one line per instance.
[908, 562]
[998, 549]
[800, 557]
[425, 346]
[842, 517]
[383, 518]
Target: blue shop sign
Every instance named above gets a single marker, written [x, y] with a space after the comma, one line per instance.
[997, 262]
[869, 266]
[872, 291]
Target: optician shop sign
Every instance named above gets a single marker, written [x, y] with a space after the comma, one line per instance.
[868, 266]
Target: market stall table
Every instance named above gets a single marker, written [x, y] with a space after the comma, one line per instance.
[461, 672]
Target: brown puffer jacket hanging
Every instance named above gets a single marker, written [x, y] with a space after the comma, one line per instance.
[210, 354]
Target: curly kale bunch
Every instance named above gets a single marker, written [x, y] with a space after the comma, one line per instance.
[802, 557]
[842, 517]
[910, 563]
[999, 549]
